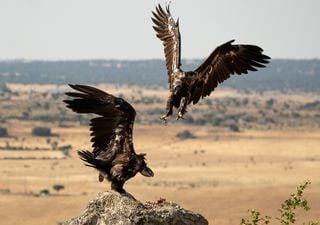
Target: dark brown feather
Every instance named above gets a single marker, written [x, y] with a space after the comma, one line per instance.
[225, 60]
[167, 30]
[115, 121]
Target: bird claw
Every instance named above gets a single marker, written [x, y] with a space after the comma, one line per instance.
[180, 116]
[164, 118]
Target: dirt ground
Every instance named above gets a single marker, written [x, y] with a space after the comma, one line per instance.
[219, 174]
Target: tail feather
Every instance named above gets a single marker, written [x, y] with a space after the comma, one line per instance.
[90, 159]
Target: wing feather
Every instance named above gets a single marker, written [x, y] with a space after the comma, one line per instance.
[114, 125]
[167, 30]
[224, 61]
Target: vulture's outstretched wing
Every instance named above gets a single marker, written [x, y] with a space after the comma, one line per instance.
[225, 60]
[112, 131]
[168, 32]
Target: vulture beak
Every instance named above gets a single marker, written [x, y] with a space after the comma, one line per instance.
[147, 172]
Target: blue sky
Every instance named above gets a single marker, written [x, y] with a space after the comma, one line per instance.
[119, 29]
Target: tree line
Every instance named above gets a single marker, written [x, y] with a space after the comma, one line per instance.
[278, 75]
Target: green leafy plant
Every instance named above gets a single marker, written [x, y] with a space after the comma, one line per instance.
[287, 210]
[255, 219]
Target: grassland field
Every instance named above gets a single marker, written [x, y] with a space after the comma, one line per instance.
[218, 173]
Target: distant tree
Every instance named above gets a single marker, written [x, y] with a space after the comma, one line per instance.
[58, 187]
[312, 106]
[200, 121]
[44, 192]
[270, 102]
[3, 132]
[249, 118]
[65, 149]
[296, 114]
[286, 105]
[217, 120]
[54, 145]
[245, 101]
[234, 127]
[41, 131]
[185, 134]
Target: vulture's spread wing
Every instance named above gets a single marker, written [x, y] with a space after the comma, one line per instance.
[167, 30]
[112, 131]
[225, 60]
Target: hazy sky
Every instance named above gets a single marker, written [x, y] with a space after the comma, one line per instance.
[119, 29]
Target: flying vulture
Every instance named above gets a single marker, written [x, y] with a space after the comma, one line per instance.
[113, 153]
[188, 87]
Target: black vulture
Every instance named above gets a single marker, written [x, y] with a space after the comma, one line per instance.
[188, 87]
[113, 152]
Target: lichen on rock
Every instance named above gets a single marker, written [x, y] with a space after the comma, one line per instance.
[110, 208]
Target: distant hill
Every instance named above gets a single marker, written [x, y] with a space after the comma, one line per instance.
[279, 74]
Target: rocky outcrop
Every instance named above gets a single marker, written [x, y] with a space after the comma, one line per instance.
[114, 209]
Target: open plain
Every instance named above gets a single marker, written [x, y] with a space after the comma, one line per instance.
[219, 172]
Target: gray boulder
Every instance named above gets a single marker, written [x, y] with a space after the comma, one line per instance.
[110, 208]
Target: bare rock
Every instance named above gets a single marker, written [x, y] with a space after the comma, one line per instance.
[114, 209]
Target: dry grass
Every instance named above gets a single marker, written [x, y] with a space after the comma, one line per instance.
[219, 174]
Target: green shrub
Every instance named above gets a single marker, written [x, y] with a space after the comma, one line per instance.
[58, 187]
[44, 192]
[234, 127]
[41, 131]
[287, 210]
[185, 134]
[3, 132]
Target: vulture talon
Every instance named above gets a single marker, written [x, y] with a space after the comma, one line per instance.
[164, 118]
[180, 116]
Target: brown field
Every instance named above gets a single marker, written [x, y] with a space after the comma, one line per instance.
[219, 174]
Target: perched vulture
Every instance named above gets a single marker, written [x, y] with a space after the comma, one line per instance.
[113, 153]
[188, 87]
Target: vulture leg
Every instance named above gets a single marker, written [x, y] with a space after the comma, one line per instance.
[117, 185]
[169, 108]
[183, 108]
